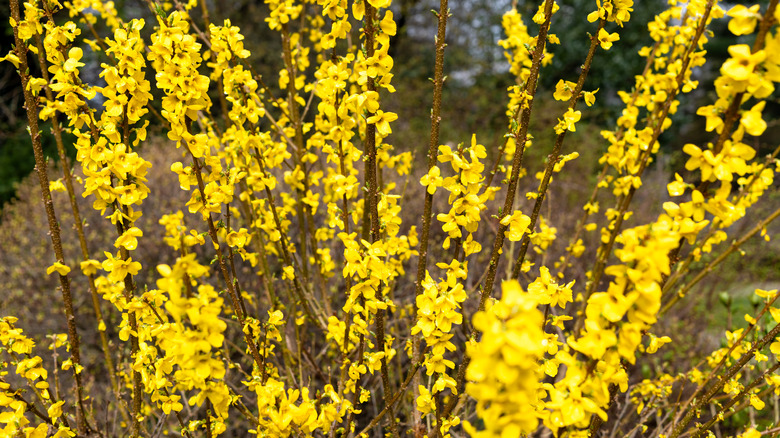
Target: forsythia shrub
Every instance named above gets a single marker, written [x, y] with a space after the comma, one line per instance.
[298, 181]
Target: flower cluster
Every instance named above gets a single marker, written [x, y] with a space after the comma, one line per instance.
[437, 312]
[467, 193]
[504, 373]
[29, 367]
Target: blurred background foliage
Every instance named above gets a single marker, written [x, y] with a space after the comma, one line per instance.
[475, 92]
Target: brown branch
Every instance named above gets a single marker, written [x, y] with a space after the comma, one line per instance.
[731, 372]
[31, 107]
[552, 159]
[369, 29]
[438, 84]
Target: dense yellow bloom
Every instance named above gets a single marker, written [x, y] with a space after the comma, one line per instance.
[721, 167]
[515, 43]
[176, 56]
[503, 371]
[437, 310]
[280, 182]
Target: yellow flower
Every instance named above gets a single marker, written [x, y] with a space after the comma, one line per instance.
[64, 432]
[447, 155]
[656, 343]
[766, 293]
[39, 432]
[55, 410]
[774, 380]
[275, 317]
[31, 368]
[382, 121]
[544, 237]
[59, 267]
[595, 15]
[591, 207]
[12, 58]
[432, 180]
[237, 239]
[695, 208]
[129, 239]
[752, 121]
[74, 55]
[756, 402]
[444, 382]
[775, 312]
[57, 186]
[90, 267]
[751, 432]
[677, 187]
[288, 273]
[590, 97]
[517, 225]
[387, 24]
[742, 62]
[378, 4]
[712, 114]
[425, 403]
[539, 17]
[606, 39]
[569, 119]
[563, 90]
[471, 246]
[118, 269]
[547, 291]
[594, 341]
[743, 20]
